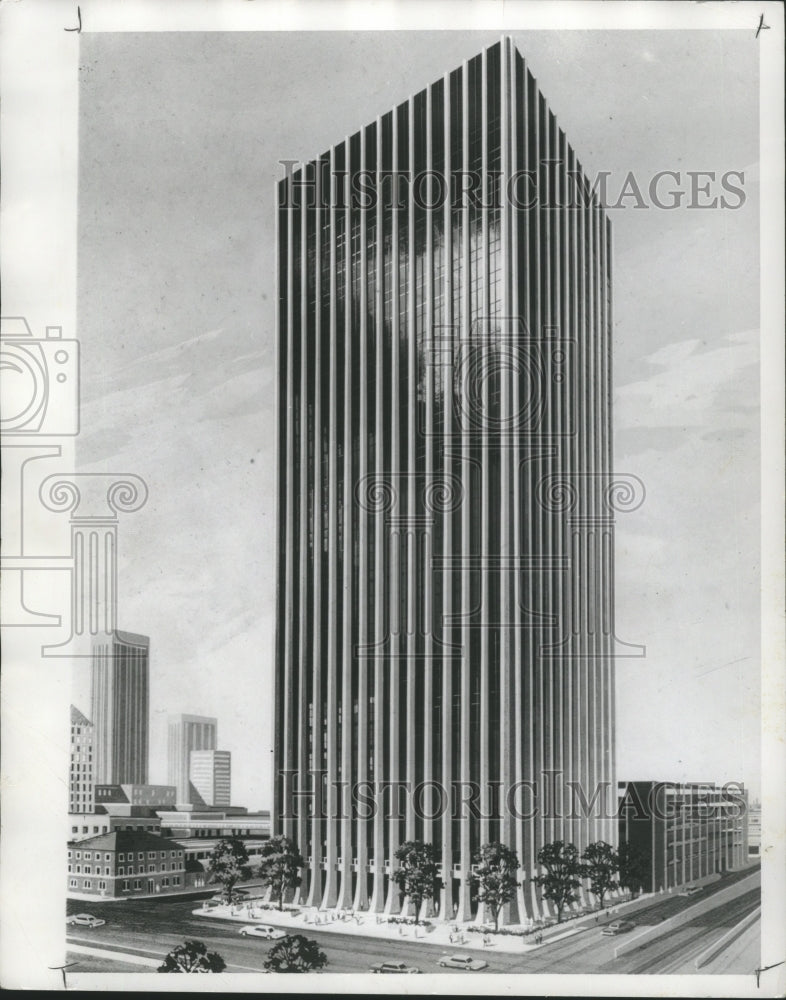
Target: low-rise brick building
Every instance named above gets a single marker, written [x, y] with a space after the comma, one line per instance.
[128, 863]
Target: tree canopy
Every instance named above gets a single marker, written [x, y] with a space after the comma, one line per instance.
[600, 866]
[192, 956]
[494, 877]
[295, 953]
[634, 868]
[280, 863]
[416, 876]
[561, 882]
[228, 864]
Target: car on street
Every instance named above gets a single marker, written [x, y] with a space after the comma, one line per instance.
[393, 967]
[618, 927]
[690, 890]
[466, 962]
[263, 931]
[85, 920]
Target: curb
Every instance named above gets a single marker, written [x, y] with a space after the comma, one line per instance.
[685, 916]
[118, 956]
[726, 939]
[351, 930]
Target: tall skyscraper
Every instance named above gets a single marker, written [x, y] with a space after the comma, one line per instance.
[187, 733]
[210, 772]
[80, 774]
[120, 699]
[445, 538]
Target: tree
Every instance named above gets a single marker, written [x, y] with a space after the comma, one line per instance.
[280, 863]
[192, 956]
[494, 877]
[561, 882]
[633, 866]
[600, 866]
[295, 953]
[416, 875]
[229, 865]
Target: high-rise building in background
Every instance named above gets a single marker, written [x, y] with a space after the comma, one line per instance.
[187, 733]
[120, 695]
[210, 773]
[445, 541]
[80, 774]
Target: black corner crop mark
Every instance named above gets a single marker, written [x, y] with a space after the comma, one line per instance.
[766, 968]
[78, 28]
[68, 965]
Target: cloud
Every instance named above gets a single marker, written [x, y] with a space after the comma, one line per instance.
[708, 389]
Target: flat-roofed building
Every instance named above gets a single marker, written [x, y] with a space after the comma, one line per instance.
[155, 796]
[445, 616]
[120, 693]
[686, 831]
[187, 733]
[210, 775]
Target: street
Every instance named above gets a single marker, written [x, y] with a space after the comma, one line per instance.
[150, 928]
[675, 953]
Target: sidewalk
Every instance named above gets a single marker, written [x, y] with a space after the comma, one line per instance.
[92, 897]
[303, 919]
[122, 957]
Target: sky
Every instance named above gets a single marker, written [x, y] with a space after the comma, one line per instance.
[180, 139]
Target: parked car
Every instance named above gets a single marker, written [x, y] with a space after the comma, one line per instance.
[263, 931]
[690, 890]
[466, 962]
[85, 920]
[618, 927]
[393, 967]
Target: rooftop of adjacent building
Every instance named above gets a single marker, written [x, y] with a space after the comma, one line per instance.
[683, 787]
[214, 814]
[127, 638]
[78, 718]
[125, 840]
[183, 717]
